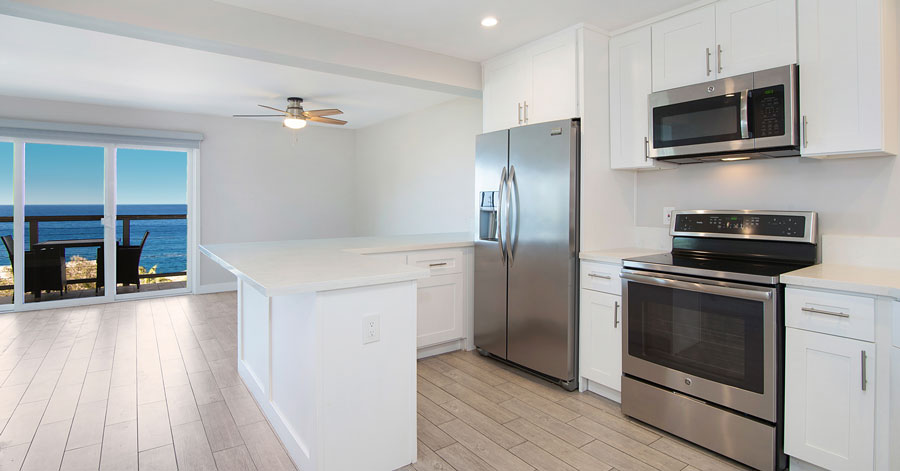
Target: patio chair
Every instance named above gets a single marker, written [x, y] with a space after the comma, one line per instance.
[128, 258]
[45, 269]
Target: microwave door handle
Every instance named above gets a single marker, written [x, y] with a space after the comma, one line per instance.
[745, 115]
[752, 294]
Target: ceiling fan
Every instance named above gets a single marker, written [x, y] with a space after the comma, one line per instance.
[295, 117]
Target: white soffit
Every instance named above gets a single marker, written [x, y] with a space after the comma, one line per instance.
[49, 61]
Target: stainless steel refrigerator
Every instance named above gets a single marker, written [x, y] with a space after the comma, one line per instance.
[526, 252]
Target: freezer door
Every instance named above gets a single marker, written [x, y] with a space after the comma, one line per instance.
[542, 319]
[492, 154]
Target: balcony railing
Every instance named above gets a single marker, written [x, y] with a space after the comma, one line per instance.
[34, 230]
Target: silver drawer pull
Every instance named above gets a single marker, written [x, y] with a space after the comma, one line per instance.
[597, 275]
[432, 265]
[827, 313]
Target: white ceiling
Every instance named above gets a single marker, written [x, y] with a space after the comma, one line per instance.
[43, 60]
[453, 27]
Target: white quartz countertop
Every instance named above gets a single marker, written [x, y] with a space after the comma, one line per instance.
[856, 279]
[298, 266]
[618, 254]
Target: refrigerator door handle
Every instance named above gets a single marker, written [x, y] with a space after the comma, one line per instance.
[513, 189]
[504, 185]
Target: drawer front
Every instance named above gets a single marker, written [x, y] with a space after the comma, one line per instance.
[844, 315]
[603, 277]
[440, 262]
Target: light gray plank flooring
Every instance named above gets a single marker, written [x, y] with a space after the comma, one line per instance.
[153, 384]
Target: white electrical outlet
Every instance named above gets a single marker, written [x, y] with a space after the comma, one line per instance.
[667, 215]
[371, 328]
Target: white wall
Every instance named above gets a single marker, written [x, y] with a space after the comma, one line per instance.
[852, 196]
[416, 173]
[256, 181]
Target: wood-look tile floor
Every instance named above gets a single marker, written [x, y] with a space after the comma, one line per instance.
[152, 385]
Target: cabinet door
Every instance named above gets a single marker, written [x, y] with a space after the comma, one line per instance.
[600, 338]
[754, 35]
[684, 49]
[504, 92]
[629, 85]
[553, 75]
[440, 308]
[840, 76]
[829, 400]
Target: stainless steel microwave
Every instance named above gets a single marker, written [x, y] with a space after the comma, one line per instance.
[737, 118]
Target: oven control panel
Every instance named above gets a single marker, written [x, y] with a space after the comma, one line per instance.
[789, 226]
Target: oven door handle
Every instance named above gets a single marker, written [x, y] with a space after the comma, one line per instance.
[753, 294]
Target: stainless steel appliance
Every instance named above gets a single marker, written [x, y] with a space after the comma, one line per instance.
[736, 118]
[526, 279]
[703, 330]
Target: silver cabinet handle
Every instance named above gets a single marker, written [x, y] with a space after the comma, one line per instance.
[862, 364]
[519, 113]
[616, 315]
[719, 56]
[500, 224]
[805, 134]
[708, 69]
[597, 275]
[646, 149]
[442, 264]
[526, 111]
[827, 313]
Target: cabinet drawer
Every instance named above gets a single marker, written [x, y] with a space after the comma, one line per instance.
[440, 262]
[602, 277]
[830, 313]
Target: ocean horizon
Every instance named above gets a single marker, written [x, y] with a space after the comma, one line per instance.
[166, 246]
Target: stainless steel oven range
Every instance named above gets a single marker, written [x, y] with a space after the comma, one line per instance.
[703, 336]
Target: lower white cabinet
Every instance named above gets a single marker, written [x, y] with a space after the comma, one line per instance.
[600, 338]
[441, 309]
[829, 400]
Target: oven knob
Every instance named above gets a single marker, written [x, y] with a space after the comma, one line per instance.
[687, 381]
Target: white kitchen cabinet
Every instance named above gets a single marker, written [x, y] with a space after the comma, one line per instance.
[600, 338]
[629, 84]
[895, 407]
[533, 84]
[754, 35]
[684, 48]
[848, 81]
[829, 400]
[440, 308]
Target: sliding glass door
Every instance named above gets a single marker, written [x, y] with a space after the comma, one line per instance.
[6, 222]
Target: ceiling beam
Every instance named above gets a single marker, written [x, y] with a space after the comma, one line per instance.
[216, 27]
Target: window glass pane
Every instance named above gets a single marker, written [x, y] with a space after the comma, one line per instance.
[64, 188]
[6, 214]
[152, 201]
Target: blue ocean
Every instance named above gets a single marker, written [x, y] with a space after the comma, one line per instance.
[166, 245]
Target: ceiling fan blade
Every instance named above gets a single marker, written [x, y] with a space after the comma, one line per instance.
[319, 119]
[257, 116]
[276, 109]
[328, 112]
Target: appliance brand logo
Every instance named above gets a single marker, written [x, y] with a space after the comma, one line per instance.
[710, 89]
[688, 381]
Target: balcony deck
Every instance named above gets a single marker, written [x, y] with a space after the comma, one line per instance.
[89, 293]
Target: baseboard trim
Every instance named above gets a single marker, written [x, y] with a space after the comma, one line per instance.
[216, 287]
[440, 348]
[601, 390]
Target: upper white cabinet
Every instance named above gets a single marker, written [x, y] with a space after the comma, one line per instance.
[533, 84]
[848, 80]
[754, 35]
[629, 85]
[829, 400]
[730, 37]
[683, 48]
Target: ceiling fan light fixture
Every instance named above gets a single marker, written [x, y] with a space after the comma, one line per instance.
[489, 21]
[294, 123]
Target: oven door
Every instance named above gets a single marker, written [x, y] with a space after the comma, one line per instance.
[710, 118]
[717, 341]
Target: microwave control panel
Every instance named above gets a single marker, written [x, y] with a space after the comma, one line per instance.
[743, 224]
[768, 110]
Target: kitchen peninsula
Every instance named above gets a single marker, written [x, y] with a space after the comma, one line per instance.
[327, 343]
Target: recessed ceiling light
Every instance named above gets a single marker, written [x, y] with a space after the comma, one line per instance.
[489, 21]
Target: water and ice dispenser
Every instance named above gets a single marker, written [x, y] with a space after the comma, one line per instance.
[488, 227]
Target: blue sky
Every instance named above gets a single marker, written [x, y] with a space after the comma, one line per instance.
[56, 174]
